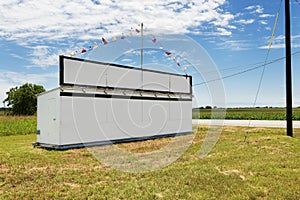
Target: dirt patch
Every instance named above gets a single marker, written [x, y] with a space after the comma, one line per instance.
[232, 171]
[73, 185]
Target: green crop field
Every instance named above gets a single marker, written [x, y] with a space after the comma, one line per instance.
[267, 166]
[17, 125]
[247, 113]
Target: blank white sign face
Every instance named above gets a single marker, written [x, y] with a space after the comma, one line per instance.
[83, 73]
[74, 71]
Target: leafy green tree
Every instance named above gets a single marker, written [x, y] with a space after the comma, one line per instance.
[23, 99]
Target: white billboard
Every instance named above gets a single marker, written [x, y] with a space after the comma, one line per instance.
[86, 73]
[100, 103]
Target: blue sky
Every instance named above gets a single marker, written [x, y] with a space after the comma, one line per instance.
[235, 34]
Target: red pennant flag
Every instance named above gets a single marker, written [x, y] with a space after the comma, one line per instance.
[137, 30]
[168, 53]
[154, 40]
[104, 41]
[83, 50]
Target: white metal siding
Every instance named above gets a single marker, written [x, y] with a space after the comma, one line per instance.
[48, 117]
[86, 119]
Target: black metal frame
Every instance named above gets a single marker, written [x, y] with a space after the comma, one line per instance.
[101, 143]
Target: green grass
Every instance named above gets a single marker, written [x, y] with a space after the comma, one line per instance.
[17, 125]
[248, 113]
[266, 167]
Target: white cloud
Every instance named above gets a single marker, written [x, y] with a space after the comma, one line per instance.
[280, 46]
[44, 56]
[42, 25]
[263, 22]
[238, 15]
[4, 87]
[232, 27]
[244, 21]
[223, 31]
[294, 37]
[259, 9]
[250, 8]
[126, 60]
[35, 21]
[18, 78]
[9, 79]
[279, 42]
[255, 9]
[274, 46]
[268, 28]
[266, 15]
[235, 45]
[17, 56]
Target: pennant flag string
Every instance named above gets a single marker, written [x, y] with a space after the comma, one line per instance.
[123, 36]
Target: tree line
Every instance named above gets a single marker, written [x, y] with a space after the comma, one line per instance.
[22, 100]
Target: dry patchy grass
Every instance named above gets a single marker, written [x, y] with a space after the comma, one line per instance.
[265, 167]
